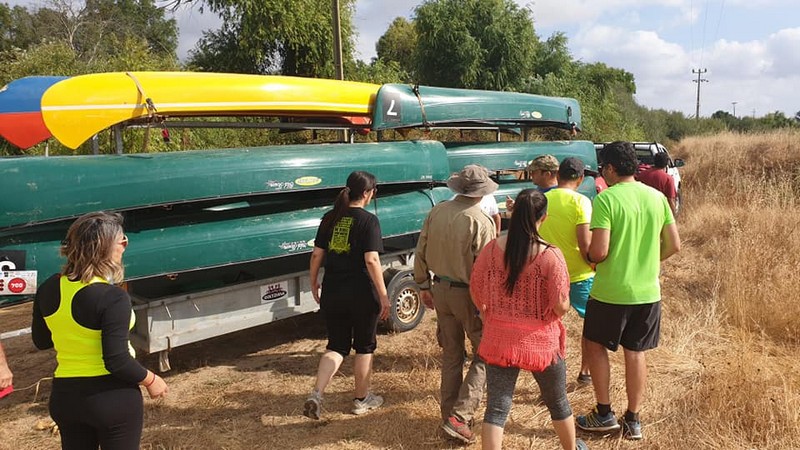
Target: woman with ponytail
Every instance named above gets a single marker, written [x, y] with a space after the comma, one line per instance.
[520, 286]
[353, 295]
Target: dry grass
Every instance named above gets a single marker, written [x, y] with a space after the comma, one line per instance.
[725, 376]
[740, 227]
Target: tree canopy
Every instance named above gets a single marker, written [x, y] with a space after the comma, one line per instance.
[274, 36]
[398, 43]
[482, 44]
[93, 30]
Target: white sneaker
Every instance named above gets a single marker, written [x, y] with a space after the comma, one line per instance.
[312, 408]
[370, 402]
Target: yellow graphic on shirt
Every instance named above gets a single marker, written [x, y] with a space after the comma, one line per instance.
[340, 239]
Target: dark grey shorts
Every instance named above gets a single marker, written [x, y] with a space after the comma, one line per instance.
[635, 327]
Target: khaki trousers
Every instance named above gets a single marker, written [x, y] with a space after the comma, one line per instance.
[457, 316]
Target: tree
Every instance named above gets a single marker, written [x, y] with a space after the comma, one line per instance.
[378, 71]
[93, 29]
[398, 44]
[777, 119]
[291, 37]
[482, 44]
[553, 56]
[107, 23]
[17, 28]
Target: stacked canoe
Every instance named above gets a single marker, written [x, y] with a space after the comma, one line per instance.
[222, 210]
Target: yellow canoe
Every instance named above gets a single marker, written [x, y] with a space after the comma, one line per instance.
[79, 107]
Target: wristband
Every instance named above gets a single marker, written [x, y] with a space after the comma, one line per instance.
[153, 380]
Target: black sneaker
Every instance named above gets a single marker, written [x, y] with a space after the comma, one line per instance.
[595, 422]
[632, 429]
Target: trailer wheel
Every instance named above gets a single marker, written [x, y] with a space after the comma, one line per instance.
[407, 309]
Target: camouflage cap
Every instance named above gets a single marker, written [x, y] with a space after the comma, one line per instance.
[544, 162]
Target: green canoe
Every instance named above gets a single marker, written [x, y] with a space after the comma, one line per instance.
[516, 155]
[406, 106]
[44, 189]
[187, 239]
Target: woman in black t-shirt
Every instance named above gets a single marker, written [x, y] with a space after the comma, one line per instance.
[353, 294]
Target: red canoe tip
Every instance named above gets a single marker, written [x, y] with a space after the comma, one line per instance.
[23, 130]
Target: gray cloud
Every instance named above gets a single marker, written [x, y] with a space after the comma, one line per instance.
[192, 23]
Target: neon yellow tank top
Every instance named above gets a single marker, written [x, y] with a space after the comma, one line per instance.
[79, 350]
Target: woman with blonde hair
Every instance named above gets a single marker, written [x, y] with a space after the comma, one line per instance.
[520, 285]
[96, 400]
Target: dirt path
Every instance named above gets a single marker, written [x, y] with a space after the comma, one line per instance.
[246, 390]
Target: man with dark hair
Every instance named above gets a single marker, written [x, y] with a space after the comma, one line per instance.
[453, 235]
[656, 177]
[633, 229]
[567, 227]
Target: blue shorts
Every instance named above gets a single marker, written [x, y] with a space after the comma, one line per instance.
[579, 295]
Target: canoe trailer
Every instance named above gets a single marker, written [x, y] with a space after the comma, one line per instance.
[168, 322]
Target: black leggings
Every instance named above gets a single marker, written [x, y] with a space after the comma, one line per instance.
[97, 411]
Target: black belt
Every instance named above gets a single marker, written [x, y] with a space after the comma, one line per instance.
[457, 284]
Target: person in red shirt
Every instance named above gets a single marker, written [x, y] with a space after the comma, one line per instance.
[656, 177]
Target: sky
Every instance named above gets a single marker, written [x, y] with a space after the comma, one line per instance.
[749, 49]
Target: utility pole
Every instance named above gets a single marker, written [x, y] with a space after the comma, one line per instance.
[344, 136]
[337, 41]
[699, 80]
[734, 108]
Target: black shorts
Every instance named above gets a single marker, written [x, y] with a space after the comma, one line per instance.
[356, 330]
[351, 317]
[635, 327]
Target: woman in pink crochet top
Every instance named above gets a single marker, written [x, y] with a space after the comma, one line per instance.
[520, 285]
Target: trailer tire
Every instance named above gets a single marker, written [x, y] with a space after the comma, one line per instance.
[406, 310]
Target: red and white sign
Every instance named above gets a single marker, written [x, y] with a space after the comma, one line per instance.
[18, 282]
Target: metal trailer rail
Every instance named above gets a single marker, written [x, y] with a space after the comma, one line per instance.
[172, 321]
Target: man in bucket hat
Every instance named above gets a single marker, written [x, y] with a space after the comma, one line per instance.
[453, 235]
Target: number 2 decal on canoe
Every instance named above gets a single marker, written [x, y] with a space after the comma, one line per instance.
[393, 111]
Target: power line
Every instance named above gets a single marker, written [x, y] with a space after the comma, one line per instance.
[699, 80]
[719, 21]
[703, 36]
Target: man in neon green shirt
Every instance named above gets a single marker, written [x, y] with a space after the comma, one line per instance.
[632, 231]
[567, 227]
